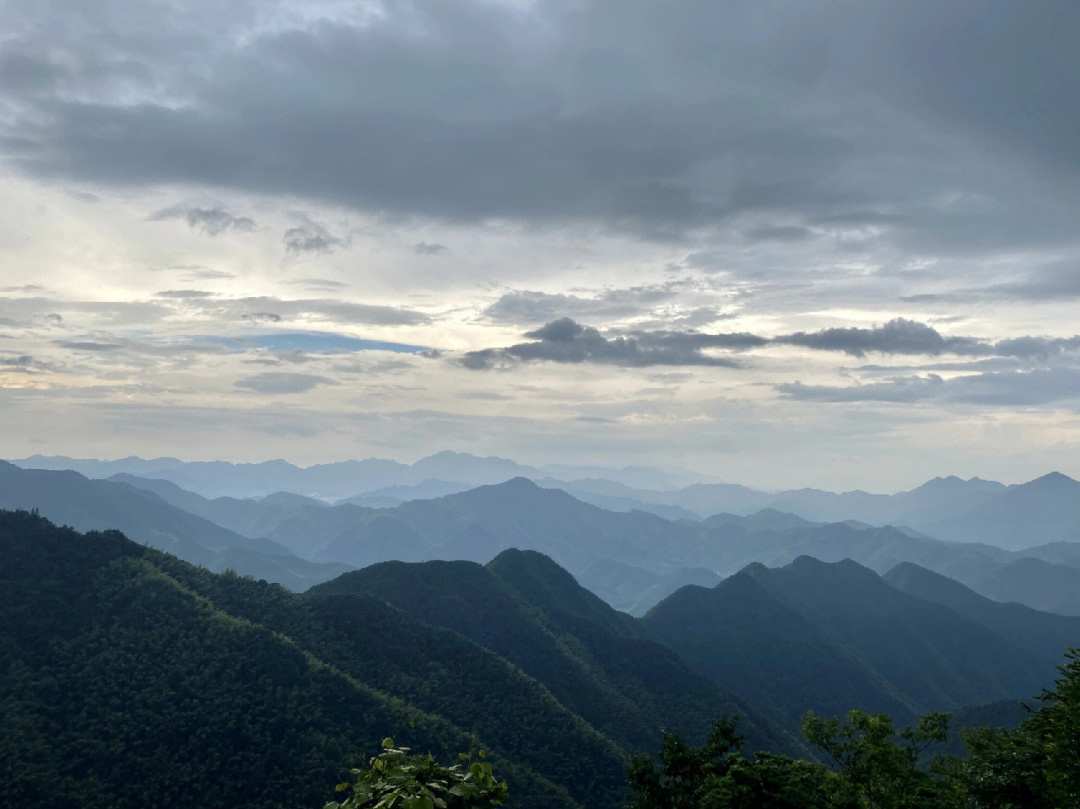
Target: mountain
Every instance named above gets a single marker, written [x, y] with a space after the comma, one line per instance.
[1039, 584]
[1040, 512]
[631, 559]
[829, 636]
[1042, 634]
[71, 499]
[345, 479]
[130, 675]
[593, 659]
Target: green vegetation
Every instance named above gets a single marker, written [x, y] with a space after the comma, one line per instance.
[864, 763]
[395, 779]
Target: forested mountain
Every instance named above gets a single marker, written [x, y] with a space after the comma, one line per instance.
[134, 679]
[1042, 634]
[593, 659]
[631, 559]
[69, 498]
[815, 635]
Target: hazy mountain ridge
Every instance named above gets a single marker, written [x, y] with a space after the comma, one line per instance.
[632, 559]
[69, 498]
[342, 479]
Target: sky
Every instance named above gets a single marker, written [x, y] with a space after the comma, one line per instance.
[830, 244]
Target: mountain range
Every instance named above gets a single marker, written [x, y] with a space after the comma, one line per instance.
[134, 677]
[631, 559]
[1040, 512]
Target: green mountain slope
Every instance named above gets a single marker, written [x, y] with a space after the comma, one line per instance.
[132, 678]
[593, 659]
[1042, 633]
[829, 636]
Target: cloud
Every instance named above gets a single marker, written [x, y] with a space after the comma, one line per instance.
[310, 237]
[566, 341]
[282, 382]
[777, 233]
[429, 248]
[183, 294]
[323, 309]
[1031, 388]
[211, 221]
[88, 345]
[308, 342]
[528, 306]
[553, 112]
[898, 336]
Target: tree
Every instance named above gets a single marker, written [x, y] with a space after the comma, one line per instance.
[395, 779]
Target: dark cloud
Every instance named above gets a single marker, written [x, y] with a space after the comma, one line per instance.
[429, 248]
[604, 111]
[21, 363]
[310, 238]
[778, 233]
[262, 317]
[282, 382]
[211, 221]
[527, 306]
[898, 336]
[567, 341]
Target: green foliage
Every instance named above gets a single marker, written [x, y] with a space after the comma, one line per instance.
[395, 779]
[866, 764]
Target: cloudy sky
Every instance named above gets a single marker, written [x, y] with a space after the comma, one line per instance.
[778, 243]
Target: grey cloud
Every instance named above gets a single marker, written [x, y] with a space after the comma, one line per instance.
[602, 111]
[21, 363]
[900, 390]
[23, 288]
[211, 221]
[898, 336]
[322, 284]
[282, 382]
[88, 345]
[527, 306]
[345, 312]
[183, 294]
[1033, 388]
[429, 248]
[310, 238]
[83, 196]
[778, 233]
[566, 341]
[262, 317]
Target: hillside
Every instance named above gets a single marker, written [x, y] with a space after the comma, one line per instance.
[68, 498]
[631, 559]
[1043, 634]
[133, 677]
[593, 659]
[820, 636]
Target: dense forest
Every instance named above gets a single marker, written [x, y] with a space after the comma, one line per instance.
[131, 678]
